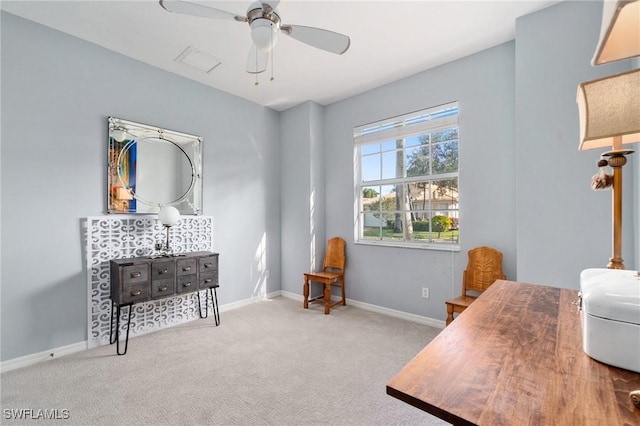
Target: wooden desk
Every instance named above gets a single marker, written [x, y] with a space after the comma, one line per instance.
[515, 357]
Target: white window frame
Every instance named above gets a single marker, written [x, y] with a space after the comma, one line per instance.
[401, 128]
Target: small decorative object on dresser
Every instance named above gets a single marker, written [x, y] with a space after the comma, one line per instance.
[168, 216]
[143, 279]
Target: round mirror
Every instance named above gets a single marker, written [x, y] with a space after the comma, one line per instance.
[164, 173]
[150, 167]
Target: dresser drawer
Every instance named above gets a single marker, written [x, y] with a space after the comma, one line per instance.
[186, 266]
[134, 293]
[162, 270]
[136, 280]
[186, 284]
[162, 288]
[208, 281]
[134, 274]
[208, 264]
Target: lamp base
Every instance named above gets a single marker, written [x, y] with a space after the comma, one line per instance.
[617, 152]
[615, 263]
[617, 159]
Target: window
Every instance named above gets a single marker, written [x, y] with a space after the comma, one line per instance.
[407, 179]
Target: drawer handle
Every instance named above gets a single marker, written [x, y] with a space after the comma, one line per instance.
[136, 292]
[208, 265]
[163, 288]
[135, 274]
[163, 271]
[207, 281]
[186, 284]
[186, 268]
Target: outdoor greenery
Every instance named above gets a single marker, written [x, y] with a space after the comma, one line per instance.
[369, 193]
[413, 191]
[387, 233]
[436, 154]
[440, 224]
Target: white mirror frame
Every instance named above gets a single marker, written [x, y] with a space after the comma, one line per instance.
[142, 185]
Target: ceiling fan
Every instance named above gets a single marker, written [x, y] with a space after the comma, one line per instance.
[265, 23]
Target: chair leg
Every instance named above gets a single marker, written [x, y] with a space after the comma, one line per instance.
[344, 299]
[327, 298]
[449, 314]
[305, 290]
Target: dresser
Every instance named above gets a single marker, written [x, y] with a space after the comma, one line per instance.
[144, 279]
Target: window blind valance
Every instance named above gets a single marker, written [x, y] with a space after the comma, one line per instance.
[408, 125]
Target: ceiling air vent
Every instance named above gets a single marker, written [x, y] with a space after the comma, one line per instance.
[198, 59]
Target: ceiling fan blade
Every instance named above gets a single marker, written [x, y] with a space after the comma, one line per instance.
[316, 37]
[194, 9]
[257, 60]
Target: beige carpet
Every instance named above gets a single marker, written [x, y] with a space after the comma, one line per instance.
[269, 363]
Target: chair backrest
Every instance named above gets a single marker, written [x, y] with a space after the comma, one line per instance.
[484, 267]
[334, 257]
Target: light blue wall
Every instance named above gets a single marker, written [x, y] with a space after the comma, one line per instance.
[563, 226]
[483, 84]
[524, 186]
[302, 193]
[57, 92]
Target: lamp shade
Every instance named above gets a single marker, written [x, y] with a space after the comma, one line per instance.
[610, 108]
[620, 32]
[168, 215]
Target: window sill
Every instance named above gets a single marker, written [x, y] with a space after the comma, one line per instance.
[419, 246]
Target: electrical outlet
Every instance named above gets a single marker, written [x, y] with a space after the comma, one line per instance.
[425, 292]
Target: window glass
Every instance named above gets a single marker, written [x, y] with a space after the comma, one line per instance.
[407, 180]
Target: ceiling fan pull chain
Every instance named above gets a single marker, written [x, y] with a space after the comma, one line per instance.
[256, 83]
[273, 56]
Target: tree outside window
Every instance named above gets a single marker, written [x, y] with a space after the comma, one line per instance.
[408, 179]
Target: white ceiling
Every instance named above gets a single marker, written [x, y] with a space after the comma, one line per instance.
[389, 40]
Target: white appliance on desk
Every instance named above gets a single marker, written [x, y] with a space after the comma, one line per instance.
[610, 301]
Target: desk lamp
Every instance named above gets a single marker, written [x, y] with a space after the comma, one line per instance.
[168, 216]
[610, 107]
[610, 116]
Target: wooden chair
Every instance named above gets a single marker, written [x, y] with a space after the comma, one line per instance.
[332, 274]
[483, 269]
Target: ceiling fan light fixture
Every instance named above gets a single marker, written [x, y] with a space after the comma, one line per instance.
[263, 34]
[265, 23]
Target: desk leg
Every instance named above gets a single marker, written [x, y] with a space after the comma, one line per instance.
[206, 305]
[113, 309]
[214, 299]
[216, 312]
[126, 342]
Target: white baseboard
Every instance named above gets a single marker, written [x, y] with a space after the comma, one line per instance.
[380, 310]
[50, 354]
[31, 359]
[249, 301]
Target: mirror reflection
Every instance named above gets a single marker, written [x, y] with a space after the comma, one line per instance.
[151, 167]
